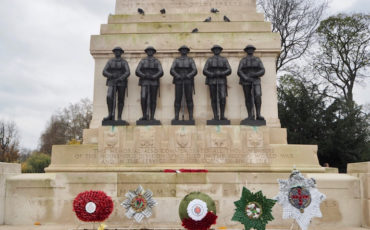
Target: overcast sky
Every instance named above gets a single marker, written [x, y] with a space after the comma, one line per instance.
[45, 62]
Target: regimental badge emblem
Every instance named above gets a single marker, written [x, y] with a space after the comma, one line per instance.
[183, 138]
[300, 198]
[253, 210]
[197, 209]
[139, 204]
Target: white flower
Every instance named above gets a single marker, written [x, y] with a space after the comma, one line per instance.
[251, 206]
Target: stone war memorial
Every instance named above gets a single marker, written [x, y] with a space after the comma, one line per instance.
[191, 100]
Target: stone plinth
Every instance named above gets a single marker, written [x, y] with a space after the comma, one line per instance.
[362, 171]
[155, 148]
[48, 198]
[6, 170]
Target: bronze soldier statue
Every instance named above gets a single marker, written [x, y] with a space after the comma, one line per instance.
[250, 72]
[183, 71]
[216, 69]
[149, 71]
[116, 71]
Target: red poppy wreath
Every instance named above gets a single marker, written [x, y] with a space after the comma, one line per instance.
[92, 206]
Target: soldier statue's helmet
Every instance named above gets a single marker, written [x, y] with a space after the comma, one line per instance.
[217, 47]
[249, 47]
[150, 48]
[184, 47]
[118, 48]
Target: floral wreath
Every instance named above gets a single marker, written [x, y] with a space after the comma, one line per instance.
[253, 210]
[92, 206]
[139, 204]
[300, 199]
[197, 211]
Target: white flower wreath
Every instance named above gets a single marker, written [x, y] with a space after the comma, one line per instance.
[139, 204]
[300, 199]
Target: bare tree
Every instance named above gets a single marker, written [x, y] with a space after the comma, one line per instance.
[296, 21]
[9, 142]
[66, 125]
[344, 54]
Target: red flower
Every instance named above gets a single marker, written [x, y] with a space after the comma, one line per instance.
[204, 224]
[92, 206]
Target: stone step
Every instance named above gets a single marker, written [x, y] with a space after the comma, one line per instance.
[183, 27]
[198, 42]
[63, 227]
[248, 16]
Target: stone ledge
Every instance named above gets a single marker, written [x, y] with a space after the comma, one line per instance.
[184, 27]
[197, 41]
[251, 17]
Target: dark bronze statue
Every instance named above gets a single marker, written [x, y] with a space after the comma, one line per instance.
[116, 71]
[216, 69]
[149, 71]
[250, 72]
[183, 71]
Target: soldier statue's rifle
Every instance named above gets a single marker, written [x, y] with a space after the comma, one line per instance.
[218, 99]
[183, 98]
[148, 103]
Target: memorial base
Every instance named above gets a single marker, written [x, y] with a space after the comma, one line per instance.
[249, 122]
[218, 122]
[115, 123]
[48, 198]
[183, 122]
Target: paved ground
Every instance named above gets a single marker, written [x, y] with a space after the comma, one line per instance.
[54, 227]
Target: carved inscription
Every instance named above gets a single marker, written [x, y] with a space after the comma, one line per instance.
[188, 155]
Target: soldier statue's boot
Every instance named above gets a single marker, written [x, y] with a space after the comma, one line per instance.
[120, 109]
[110, 110]
[215, 112]
[190, 110]
[258, 109]
[177, 112]
[222, 108]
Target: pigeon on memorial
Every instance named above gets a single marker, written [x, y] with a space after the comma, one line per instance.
[226, 19]
[140, 11]
[163, 11]
[214, 10]
[195, 30]
[208, 19]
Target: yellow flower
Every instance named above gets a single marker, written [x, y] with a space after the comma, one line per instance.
[102, 227]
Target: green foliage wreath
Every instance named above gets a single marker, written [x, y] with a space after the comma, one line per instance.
[253, 210]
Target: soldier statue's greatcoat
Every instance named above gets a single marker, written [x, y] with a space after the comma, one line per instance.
[183, 71]
[149, 71]
[216, 69]
[116, 71]
[250, 72]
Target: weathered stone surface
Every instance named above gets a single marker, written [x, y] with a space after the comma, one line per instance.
[215, 148]
[55, 193]
[181, 27]
[188, 6]
[196, 17]
[6, 170]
